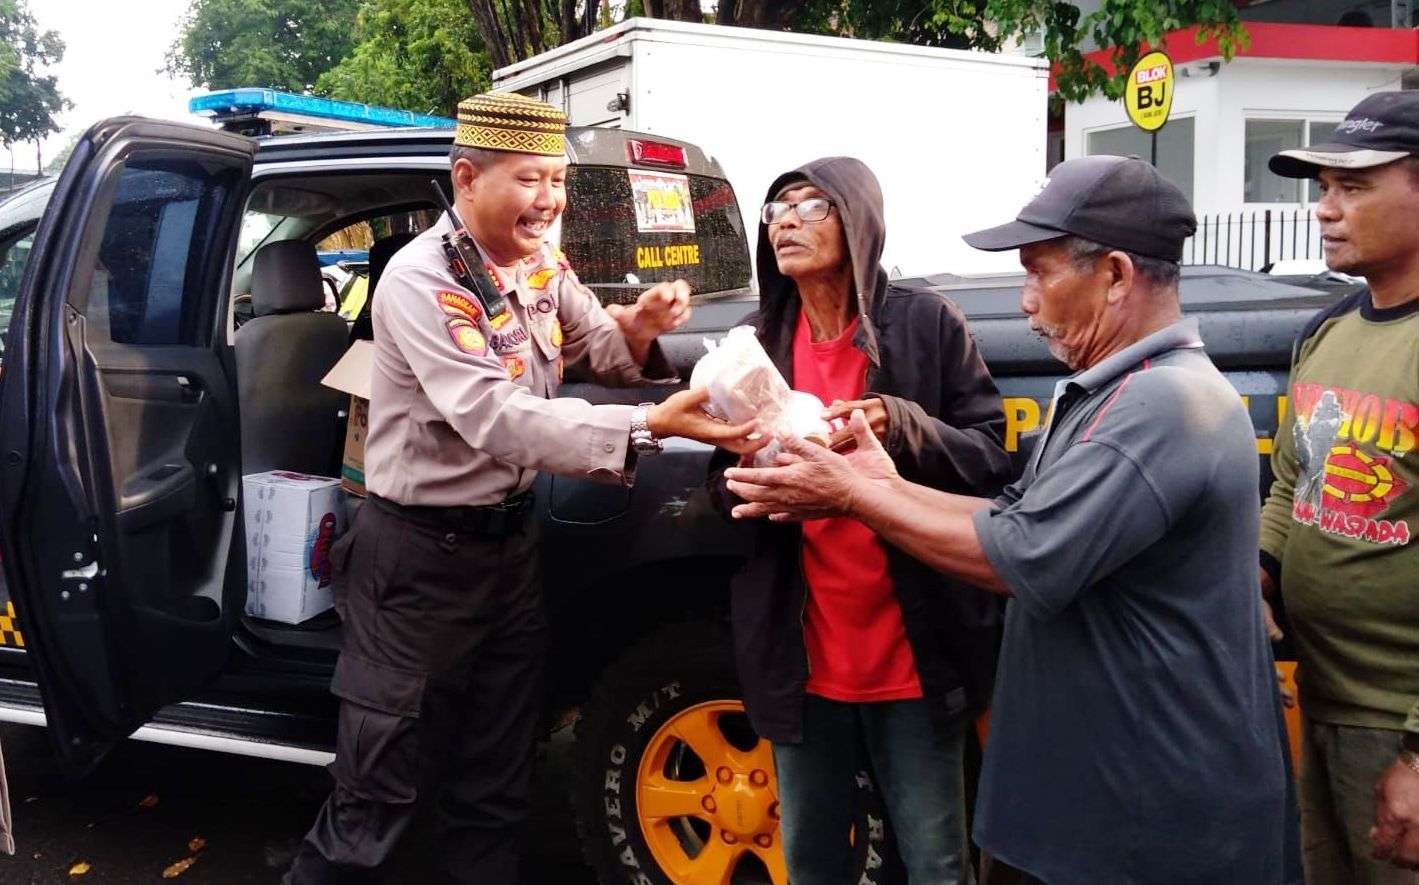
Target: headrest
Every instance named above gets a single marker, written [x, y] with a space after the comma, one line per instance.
[285, 278]
[380, 253]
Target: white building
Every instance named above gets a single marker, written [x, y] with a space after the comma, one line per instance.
[1288, 89]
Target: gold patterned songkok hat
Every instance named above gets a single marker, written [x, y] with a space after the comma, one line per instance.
[506, 121]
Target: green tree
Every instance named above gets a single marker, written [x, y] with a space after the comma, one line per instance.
[421, 55]
[29, 98]
[919, 22]
[516, 29]
[1123, 27]
[281, 44]
[424, 54]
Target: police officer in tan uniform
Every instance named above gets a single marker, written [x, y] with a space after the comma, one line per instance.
[437, 583]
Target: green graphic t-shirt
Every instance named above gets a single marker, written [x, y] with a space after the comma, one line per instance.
[1343, 513]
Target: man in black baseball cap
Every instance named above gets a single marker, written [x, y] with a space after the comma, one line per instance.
[1136, 731]
[1120, 202]
[1382, 128]
[1102, 227]
[1350, 591]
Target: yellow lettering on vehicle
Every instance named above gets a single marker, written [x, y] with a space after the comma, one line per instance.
[1023, 415]
[667, 256]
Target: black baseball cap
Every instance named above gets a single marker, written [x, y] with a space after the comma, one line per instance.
[1382, 128]
[1120, 202]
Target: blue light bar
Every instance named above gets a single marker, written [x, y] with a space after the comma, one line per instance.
[234, 102]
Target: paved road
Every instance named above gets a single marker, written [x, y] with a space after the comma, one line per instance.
[250, 812]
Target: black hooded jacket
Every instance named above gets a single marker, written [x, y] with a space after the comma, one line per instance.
[944, 430]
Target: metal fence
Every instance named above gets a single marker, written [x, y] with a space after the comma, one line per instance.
[1254, 240]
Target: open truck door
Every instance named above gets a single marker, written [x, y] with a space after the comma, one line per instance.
[118, 424]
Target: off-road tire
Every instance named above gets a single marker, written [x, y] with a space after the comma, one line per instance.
[676, 669]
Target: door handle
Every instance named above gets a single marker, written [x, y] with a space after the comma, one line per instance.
[86, 573]
[163, 494]
[187, 391]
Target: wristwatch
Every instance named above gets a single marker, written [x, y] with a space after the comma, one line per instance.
[642, 441]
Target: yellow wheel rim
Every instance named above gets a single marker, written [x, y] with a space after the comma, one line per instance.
[706, 806]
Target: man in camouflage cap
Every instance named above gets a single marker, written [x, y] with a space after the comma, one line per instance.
[437, 582]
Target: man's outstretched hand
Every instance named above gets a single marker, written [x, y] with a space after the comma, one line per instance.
[683, 415]
[812, 482]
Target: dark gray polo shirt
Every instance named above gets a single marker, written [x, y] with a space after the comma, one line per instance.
[1135, 732]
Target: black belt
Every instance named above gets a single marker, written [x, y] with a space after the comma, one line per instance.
[496, 520]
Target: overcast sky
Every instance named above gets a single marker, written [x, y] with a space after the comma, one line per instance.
[112, 61]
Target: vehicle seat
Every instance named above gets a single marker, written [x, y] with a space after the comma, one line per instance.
[380, 253]
[289, 420]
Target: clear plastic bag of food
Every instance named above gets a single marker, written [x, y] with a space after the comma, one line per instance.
[744, 384]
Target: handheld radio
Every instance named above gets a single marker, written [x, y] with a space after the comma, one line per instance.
[466, 265]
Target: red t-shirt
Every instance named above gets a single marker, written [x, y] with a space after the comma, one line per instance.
[857, 642]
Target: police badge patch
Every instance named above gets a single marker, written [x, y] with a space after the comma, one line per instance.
[467, 337]
[462, 323]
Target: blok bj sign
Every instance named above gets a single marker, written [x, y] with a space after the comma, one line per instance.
[1148, 94]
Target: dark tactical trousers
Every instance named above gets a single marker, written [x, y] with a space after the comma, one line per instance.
[440, 683]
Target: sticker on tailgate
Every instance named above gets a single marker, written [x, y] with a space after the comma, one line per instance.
[662, 202]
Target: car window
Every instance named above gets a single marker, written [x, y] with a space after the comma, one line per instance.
[155, 257]
[13, 255]
[653, 226]
[258, 229]
[359, 236]
[344, 254]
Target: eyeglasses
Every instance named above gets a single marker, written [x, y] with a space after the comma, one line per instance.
[809, 210]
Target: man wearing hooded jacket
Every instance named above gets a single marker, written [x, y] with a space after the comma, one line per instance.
[845, 645]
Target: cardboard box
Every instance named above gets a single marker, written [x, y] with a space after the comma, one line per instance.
[352, 375]
[292, 520]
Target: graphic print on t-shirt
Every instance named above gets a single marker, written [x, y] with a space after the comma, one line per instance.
[1349, 445]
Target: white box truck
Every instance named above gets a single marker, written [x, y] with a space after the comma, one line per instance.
[957, 138]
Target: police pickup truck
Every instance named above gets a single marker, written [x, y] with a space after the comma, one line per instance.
[121, 421]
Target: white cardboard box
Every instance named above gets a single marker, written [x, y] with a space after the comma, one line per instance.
[292, 520]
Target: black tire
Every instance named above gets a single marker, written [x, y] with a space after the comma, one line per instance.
[677, 668]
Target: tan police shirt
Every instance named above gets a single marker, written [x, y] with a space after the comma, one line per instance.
[462, 412]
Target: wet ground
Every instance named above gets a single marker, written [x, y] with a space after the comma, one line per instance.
[206, 817]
